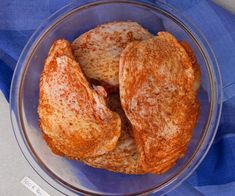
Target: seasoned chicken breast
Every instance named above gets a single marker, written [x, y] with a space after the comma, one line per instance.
[158, 91]
[98, 50]
[124, 158]
[72, 114]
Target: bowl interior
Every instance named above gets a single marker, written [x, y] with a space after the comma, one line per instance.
[73, 174]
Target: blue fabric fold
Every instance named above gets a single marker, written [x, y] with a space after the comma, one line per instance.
[216, 174]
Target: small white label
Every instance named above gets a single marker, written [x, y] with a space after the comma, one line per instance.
[32, 186]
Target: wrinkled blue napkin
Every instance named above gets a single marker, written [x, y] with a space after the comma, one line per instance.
[216, 174]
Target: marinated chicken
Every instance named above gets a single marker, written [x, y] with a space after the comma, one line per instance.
[73, 115]
[158, 88]
[98, 50]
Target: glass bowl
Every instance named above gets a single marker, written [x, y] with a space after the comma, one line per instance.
[72, 177]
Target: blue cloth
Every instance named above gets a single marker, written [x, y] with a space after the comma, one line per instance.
[216, 174]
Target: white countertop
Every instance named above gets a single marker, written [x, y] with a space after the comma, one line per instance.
[14, 167]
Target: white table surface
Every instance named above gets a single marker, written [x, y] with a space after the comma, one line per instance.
[13, 166]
